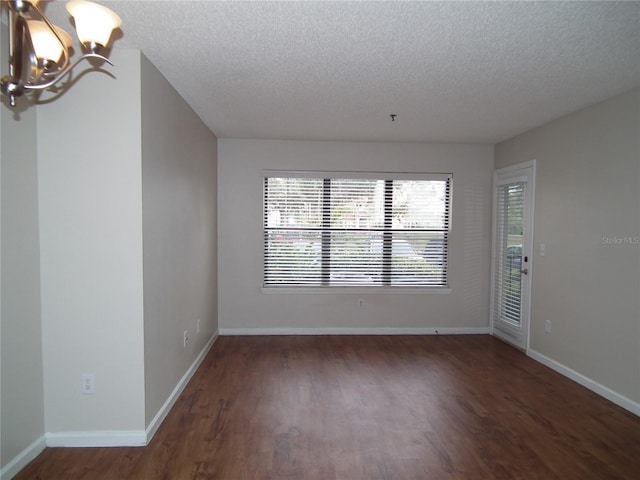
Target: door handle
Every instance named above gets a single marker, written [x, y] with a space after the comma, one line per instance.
[525, 271]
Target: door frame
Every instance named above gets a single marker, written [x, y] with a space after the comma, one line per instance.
[528, 168]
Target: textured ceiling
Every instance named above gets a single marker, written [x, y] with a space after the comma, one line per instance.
[450, 71]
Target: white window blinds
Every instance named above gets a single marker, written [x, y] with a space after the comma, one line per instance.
[326, 231]
[509, 238]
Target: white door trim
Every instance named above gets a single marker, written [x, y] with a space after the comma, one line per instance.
[512, 172]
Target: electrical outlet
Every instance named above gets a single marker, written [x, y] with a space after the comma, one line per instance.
[198, 326]
[361, 302]
[88, 383]
[547, 326]
[185, 338]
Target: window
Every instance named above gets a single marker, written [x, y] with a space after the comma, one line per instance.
[345, 230]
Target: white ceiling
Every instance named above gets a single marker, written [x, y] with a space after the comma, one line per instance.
[450, 71]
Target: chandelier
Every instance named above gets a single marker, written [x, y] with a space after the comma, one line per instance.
[39, 51]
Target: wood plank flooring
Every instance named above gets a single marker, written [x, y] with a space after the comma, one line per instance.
[371, 407]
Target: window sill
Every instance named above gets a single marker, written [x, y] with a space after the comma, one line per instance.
[355, 290]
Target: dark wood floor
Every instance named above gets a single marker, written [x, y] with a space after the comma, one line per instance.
[372, 407]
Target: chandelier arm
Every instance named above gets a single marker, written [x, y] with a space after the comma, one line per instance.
[17, 29]
[12, 85]
[44, 86]
[53, 30]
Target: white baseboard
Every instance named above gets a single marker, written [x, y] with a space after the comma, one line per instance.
[355, 331]
[97, 438]
[612, 396]
[107, 438]
[153, 426]
[23, 459]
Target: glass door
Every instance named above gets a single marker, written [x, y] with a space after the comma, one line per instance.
[512, 235]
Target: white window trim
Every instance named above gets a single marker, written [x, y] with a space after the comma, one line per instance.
[357, 175]
[359, 290]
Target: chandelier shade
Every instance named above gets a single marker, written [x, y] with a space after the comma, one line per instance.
[46, 45]
[94, 23]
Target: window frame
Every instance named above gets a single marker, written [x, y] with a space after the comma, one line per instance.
[358, 289]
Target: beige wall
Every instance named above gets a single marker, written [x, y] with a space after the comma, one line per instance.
[90, 191]
[22, 411]
[77, 249]
[179, 230]
[243, 306]
[587, 196]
